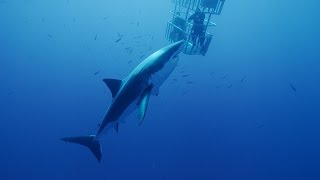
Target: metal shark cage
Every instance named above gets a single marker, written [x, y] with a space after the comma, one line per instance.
[183, 9]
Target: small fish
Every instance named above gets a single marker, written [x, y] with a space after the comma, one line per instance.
[141, 56]
[42, 20]
[190, 82]
[186, 75]
[219, 86]
[129, 62]
[260, 126]
[293, 87]
[97, 72]
[185, 92]
[137, 37]
[230, 86]
[50, 36]
[11, 92]
[138, 23]
[29, 58]
[74, 19]
[243, 78]
[120, 35]
[105, 18]
[95, 37]
[153, 165]
[118, 40]
[224, 77]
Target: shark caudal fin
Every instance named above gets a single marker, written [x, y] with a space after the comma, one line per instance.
[88, 141]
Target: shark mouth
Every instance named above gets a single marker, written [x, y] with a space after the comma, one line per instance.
[176, 54]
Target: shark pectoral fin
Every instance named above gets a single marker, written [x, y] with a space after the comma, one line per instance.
[116, 127]
[143, 103]
[114, 85]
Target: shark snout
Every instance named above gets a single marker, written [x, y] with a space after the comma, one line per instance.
[180, 45]
[177, 48]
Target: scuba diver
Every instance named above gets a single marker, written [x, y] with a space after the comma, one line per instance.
[198, 28]
[193, 25]
[198, 17]
[179, 27]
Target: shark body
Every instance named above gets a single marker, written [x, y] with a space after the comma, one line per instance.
[133, 93]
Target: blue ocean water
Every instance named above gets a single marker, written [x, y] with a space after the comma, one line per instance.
[249, 109]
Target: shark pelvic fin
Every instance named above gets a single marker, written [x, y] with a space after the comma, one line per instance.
[143, 103]
[116, 127]
[114, 85]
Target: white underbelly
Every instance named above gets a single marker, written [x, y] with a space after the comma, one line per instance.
[162, 75]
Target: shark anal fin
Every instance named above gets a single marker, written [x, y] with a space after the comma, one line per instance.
[155, 91]
[114, 85]
[143, 103]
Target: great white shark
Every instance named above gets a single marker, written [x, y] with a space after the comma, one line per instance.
[133, 93]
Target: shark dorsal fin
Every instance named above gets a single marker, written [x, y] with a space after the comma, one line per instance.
[143, 103]
[114, 85]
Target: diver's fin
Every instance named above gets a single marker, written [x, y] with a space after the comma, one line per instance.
[114, 85]
[116, 127]
[88, 141]
[143, 103]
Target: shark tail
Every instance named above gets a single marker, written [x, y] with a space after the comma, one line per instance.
[89, 141]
